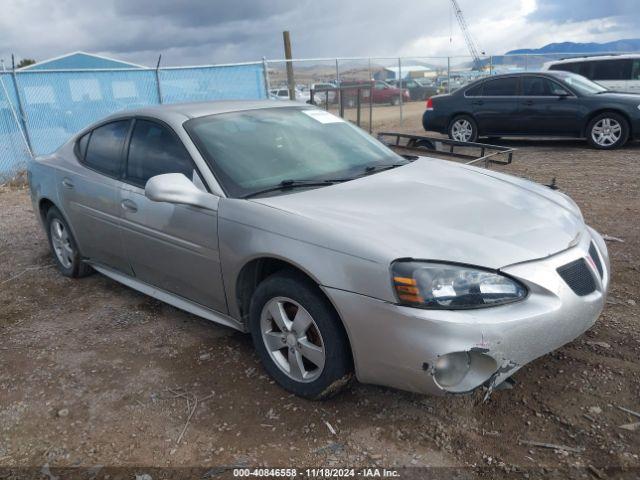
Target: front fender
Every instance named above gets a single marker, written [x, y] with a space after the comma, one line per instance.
[248, 230]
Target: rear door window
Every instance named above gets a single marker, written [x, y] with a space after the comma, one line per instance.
[104, 149]
[612, 69]
[501, 87]
[155, 150]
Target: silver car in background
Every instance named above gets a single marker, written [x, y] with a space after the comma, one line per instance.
[339, 256]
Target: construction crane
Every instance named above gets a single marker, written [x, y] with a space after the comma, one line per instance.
[477, 64]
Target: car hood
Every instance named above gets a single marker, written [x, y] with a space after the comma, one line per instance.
[620, 96]
[438, 210]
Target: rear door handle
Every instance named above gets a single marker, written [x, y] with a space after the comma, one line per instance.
[129, 206]
[528, 102]
[477, 102]
[67, 183]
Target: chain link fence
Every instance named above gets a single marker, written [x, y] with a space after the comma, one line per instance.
[420, 77]
[40, 110]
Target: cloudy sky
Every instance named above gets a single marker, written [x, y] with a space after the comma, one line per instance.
[192, 32]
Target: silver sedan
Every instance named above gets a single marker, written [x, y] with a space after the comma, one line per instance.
[337, 255]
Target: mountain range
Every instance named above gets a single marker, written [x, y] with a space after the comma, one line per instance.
[628, 45]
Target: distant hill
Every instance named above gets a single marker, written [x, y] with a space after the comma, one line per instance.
[629, 45]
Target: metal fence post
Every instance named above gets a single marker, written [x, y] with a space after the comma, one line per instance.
[448, 74]
[338, 83]
[158, 86]
[265, 72]
[23, 116]
[370, 98]
[491, 65]
[400, 84]
[526, 63]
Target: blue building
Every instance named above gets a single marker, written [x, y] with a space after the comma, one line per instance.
[80, 61]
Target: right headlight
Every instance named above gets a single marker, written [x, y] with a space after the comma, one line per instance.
[452, 287]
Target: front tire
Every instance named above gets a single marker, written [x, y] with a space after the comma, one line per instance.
[299, 337]
[463, 128]
[607, 131]
[64, 247]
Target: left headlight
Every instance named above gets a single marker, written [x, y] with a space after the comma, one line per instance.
[452, 287]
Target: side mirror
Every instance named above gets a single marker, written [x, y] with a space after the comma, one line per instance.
[561, 94]
[178, 189]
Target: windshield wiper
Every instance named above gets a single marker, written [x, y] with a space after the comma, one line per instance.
[380, 168]
[290, 183]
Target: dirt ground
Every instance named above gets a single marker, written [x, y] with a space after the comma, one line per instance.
[95, 374]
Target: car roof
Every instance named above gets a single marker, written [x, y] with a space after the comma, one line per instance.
[184, 111]
[594, 57]
[545, 73]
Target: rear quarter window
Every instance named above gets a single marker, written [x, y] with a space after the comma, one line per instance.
[81, 146]
[474, 91]
[104, 149]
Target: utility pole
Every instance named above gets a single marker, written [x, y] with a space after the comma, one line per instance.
[287, 55]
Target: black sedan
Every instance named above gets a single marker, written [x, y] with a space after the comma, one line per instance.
[550, 104]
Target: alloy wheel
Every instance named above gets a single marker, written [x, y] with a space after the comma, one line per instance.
[293, 339]
[461, 130]
[61, 243]
[606, 132]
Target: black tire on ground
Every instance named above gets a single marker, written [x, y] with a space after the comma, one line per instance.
[612, 117]
[427, 144]
[472, 124]
[77, 268]
[338, 369]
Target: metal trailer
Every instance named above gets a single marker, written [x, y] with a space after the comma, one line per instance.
[475, 153]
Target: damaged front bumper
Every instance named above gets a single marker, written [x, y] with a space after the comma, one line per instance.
[456, 351]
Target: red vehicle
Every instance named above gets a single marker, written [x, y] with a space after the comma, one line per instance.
[381, 92]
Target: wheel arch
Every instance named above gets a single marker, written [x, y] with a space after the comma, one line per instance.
[44, 205]
[460, 113]
[257, 270]
[600, 111]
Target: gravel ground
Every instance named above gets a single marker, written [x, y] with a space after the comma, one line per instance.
[93, 373]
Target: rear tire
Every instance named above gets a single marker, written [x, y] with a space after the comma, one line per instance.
[463, 128]
[607, 131]
[64, 247]
[299, 336]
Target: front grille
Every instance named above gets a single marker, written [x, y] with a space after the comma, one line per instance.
[593, 253]
[578, 276]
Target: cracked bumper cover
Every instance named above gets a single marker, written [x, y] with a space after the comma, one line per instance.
[398, 346]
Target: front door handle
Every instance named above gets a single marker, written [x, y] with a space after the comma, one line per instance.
[477, 102]
[129, 206]
[528, 102]
[67, 183]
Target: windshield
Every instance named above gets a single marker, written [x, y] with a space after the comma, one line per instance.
[256, 149]
[583, 85]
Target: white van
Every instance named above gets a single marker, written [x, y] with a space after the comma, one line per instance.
[615, 72]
